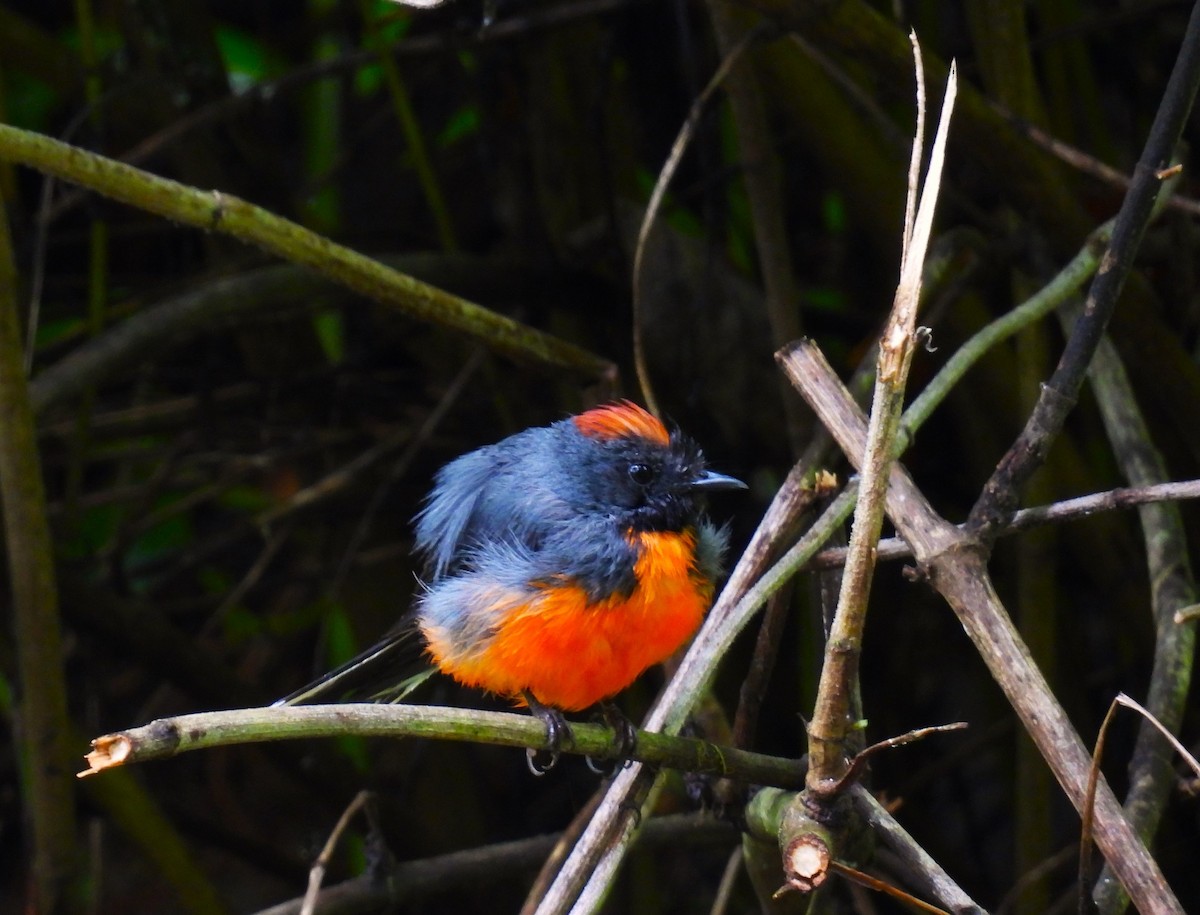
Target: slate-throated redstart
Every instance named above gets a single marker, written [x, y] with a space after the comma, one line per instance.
[561, 562]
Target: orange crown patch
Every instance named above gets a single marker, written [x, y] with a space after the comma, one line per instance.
[619, 420]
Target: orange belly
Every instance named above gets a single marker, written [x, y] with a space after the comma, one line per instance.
[570, 654]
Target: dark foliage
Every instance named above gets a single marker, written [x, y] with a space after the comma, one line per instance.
[510, 164]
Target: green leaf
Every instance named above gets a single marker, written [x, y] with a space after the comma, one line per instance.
[247, 500]
[50, 332]
[825, 298]
[462, 123]
[331, 332]
[248, 61]
[340, 642]
[341, 645]
[833, 213]
[240, 625]
[94, 531]
[28, 102]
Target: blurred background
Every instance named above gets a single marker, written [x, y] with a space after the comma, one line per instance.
[506, 154]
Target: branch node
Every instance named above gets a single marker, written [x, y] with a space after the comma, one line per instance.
[218, 211]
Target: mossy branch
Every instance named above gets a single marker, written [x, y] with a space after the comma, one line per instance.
[168, 737]
[215, 211]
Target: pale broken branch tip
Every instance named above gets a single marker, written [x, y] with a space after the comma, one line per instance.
[108, 752]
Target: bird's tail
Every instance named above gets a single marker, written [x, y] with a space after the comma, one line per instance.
[386, 672]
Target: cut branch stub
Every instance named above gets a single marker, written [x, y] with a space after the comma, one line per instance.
[806, 862]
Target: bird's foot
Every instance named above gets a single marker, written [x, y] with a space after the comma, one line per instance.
[624, 740]
[558, 732]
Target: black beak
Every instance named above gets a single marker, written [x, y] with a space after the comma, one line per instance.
[710, 480]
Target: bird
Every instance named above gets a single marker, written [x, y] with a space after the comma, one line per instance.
[560, 564]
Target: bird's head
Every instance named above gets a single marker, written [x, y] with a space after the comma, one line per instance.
[647, 478]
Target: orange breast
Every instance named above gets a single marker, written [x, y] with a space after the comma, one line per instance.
[570, 654]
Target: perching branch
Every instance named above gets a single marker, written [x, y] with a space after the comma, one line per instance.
[586, 873]
[169, 737]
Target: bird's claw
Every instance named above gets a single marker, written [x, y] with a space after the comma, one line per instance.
[558, 732]
[535, 765]
[624, 741]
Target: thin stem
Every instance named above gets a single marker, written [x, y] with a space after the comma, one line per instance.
[1173, 587]
[832, 722]
[765, 194]
[1028, 518]
[657, 195]
[417, 148]
[998, 499]
[44, 739]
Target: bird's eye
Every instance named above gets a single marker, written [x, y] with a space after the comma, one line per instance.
[641, 473]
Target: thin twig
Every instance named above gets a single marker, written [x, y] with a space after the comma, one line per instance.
[1088, 813]
[956, 568]
[1172, 587]
[316, 876]
[861, 758]
[1153, 721]
[409, 881]
[665, 174]
[1088, 164]
[832, 722]
[724, 893]
[998, 499]
[881, 886]
[1028, 518]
